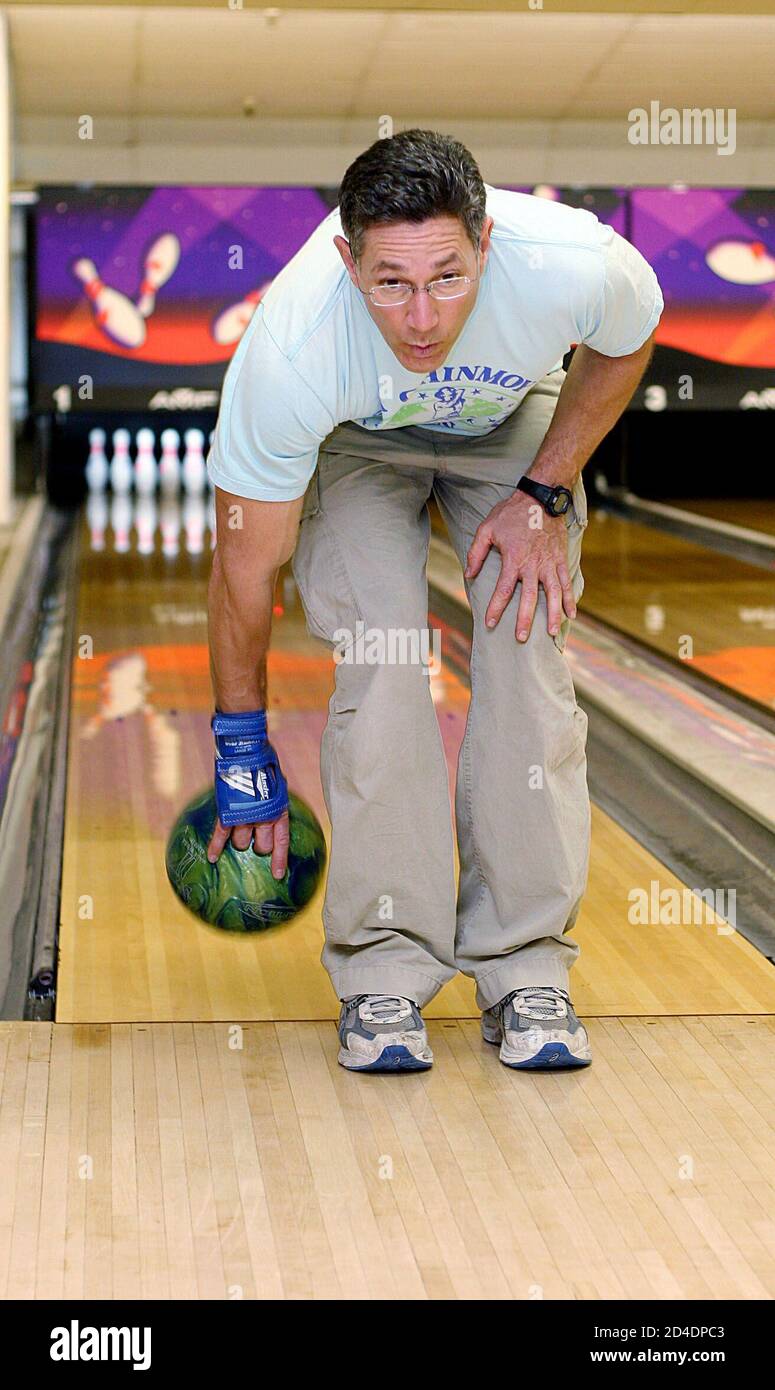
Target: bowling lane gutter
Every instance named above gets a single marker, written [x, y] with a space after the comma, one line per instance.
[37, 637]
[752, 547]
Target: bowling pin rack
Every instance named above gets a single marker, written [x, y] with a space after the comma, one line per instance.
[122, 453]
[168, 463]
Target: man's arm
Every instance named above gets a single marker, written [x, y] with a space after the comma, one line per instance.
[254, 540]
[593, 396]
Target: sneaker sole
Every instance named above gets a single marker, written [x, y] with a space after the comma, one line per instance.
[391, 1059]
[551, 1056]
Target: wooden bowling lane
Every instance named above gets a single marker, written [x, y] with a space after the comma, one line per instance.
[140, 747]
[685, 600]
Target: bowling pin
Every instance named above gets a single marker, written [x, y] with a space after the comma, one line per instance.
[194, 474]
[194, 517]
[145, 523]
[169, 521]
[114, 312]
[231, 324]
[159, 264]
[741, 262]
[121, 463]
[97, 463]
[97, 517]
[169, 469]
[145, 463]
[121, 521]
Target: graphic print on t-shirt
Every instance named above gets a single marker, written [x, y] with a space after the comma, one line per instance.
[443, 400]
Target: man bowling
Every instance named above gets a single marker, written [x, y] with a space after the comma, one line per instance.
[413, 348]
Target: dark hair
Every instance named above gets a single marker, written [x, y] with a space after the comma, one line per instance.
[407, 178]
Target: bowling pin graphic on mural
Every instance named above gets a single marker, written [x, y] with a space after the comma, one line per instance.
[116, 315]
[741, 262]
[159, 264]
[231, 324]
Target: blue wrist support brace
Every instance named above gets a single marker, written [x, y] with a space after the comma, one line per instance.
[249, 785]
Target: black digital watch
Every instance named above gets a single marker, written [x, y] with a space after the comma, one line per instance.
[554, 500]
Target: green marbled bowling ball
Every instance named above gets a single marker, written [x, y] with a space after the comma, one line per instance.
[238, 892]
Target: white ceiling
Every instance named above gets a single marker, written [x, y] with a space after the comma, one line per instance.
[195, 63]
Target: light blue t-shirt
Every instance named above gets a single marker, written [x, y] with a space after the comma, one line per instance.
[313, 357]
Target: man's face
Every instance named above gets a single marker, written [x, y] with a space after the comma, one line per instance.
[422, 331]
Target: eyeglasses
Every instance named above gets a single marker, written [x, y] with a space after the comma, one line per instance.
[396, 292]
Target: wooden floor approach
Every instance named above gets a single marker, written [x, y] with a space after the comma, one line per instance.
[191, 1161]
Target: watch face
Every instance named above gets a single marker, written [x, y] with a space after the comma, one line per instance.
[561, 502]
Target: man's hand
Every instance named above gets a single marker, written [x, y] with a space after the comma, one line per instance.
[594, 393]
[248, 778]
[535, 555]
[268, 837]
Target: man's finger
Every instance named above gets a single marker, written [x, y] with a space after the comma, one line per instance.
[241, 836]
[568, 597]
[282, 835]
[501, 594]
[527, 608]
[217, 841]
[554, 614]
[262, 838]
[478, 550]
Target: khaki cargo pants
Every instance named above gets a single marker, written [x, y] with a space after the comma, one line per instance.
[394, 923]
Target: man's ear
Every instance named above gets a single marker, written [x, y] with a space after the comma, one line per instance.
[343, 247]
[485, 238]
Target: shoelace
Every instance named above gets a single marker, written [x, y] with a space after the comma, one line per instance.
[538, 1002]
[382, 1006]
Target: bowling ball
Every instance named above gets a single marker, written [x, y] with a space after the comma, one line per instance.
[238, 892]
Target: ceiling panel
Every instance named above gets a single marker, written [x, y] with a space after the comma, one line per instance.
[194, 63]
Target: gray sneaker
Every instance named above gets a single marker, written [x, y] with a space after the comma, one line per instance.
[537, 1028]
[382, 1032]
